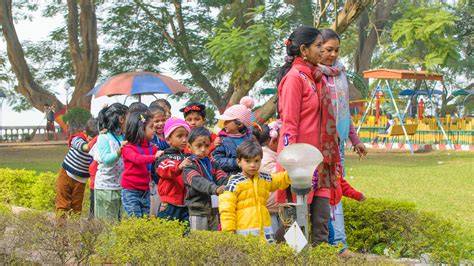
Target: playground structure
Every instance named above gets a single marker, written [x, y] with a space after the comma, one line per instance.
[383, 88]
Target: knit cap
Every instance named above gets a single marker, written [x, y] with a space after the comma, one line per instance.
[173, 123]
[241, 112]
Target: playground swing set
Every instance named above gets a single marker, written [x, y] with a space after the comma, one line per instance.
[383, 86]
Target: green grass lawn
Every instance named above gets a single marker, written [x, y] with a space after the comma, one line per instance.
[441, 182]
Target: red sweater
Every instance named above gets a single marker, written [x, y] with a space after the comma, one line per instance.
[299, 107]
[343, 189]
[135, 174]
[93, 166]
[171, 185]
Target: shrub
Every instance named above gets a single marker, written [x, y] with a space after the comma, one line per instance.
[397, 228]
[27, 188]
[77, 118]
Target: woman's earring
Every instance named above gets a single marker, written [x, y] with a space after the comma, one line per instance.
[305, 58]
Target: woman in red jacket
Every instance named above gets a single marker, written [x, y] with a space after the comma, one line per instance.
[304, 105]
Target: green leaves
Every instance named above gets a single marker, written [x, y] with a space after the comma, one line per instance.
[426, 36]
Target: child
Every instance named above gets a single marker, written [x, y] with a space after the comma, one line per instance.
[195, 116]
[170, 170]
[163, 103]
[204, 181]
[159, 119]
[138, 158]
[242, 206]
[236, 130]
[74, 173]
[267, 136]
[108, 153]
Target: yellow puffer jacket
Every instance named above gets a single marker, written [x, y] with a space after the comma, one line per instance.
[242, 206]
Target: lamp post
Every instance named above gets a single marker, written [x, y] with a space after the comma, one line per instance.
[67, 87]
[301, 160]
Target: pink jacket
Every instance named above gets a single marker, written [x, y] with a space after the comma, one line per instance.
[135, 173]
[269, 162]
[299, 108]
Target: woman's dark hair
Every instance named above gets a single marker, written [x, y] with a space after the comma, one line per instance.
[261, 134]
[329, 34]
[249, 149]
[137, 107]
[91, 127]
[190, 108]
[136, 126]
[156, 109]
[199, 132]
[109, 117]
[300, 36]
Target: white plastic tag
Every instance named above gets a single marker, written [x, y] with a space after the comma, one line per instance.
[214, 201]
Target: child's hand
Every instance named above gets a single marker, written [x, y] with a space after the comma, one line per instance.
[360, 149]
[217, 141]
[184, 163]
[159, 153]
[123, 143]
[220, 190]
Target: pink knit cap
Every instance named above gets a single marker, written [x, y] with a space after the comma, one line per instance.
[173, 123]
[239, 112]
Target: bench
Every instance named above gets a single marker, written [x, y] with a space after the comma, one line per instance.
[397, 130]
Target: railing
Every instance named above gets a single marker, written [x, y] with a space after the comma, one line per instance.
[23, 133]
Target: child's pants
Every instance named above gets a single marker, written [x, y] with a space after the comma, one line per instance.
[154, 199]
[69, 193]
[275, 221]
[172, 212]
[108, 204]
[136, 202]
[206, 223]
[320, 216]
[337, 222]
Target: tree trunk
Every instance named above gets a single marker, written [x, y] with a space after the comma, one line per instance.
[86, 58]
[27, 86]
[368, 42]
[349, 13]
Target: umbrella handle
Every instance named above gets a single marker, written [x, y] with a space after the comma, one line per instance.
[124, 101]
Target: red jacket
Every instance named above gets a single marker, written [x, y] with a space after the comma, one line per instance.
[93, 166]
[343, 189]
[171, 184]
[299, 108]
[136, 175]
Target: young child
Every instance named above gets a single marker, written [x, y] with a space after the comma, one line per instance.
[74, 173]
[237, 120]
[108, 153]
[267, 136]
[242, 206]
[159, 119]
[169, 167]
[204, 180]
[138, 158]
[195, 116]
[163, 103]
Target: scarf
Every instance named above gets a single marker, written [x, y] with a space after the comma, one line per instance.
[338, 87]
[327, 141]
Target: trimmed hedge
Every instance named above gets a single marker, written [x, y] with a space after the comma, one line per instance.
[375, 226]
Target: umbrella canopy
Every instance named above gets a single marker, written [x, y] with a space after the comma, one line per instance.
[138, 83]
[406, 93]
[460, 92]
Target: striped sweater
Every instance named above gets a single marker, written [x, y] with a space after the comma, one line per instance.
[77, 160]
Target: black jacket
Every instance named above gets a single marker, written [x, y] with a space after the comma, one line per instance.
[200, 188]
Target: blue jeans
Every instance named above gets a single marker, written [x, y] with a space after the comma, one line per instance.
[172, 212]
[337, 225]
[136, 202]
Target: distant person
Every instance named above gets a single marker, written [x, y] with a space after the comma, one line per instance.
[163, 103]
[49, 112]
[390, 123]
